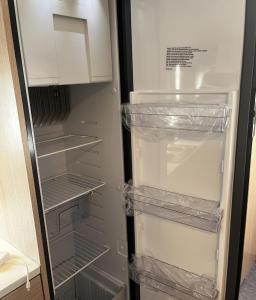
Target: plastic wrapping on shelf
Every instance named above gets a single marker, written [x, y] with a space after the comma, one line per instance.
[162, 277]
[196, 212]
[179, 116]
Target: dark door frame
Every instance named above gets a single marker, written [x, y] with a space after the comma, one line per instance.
[243, 155]
[126, 80]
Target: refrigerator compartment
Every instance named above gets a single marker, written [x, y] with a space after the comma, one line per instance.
[71, 254]
[179, 116]
[171, 280]
[65, 143]
[196, 212]
[67, 187]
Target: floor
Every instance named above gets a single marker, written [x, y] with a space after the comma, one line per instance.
[248, 288]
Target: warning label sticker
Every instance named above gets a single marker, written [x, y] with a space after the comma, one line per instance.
[182, 56]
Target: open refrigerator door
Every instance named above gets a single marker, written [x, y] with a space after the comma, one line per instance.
[182, 117]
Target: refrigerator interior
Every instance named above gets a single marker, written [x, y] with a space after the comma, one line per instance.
[80, 165]
[182, 118]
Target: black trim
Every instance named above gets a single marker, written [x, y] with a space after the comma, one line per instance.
[243, 155]
[13, 21]
[126, 78]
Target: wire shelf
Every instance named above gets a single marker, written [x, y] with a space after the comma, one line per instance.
[81, 253]
[171, 280]
[64, 143]
[195, 117]
[66, 187]
[196, 212]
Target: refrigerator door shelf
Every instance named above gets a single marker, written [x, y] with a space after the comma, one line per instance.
[192, 211]
[171, 280]
[179, 116]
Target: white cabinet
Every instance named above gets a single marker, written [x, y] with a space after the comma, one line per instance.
[37, 35]
[66, 42]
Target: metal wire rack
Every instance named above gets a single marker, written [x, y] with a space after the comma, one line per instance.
[66, 187]
[81, 254]
[64, 143]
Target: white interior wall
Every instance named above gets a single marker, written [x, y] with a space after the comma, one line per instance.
[96, 112]
[215, 26]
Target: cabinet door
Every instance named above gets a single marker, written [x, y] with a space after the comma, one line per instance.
[37, 34]
[72, 54]
[99, 39]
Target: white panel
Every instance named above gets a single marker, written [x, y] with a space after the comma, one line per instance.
[189, 164]
[71, 42]
[38, 41]
[168, 242]
[215, 26]
[72, 63]
[99, 37]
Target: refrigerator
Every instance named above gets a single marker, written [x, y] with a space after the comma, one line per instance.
[134, 109]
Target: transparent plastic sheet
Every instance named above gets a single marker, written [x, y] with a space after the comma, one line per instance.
[195, 212]
[180, 116]
[171, 280]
